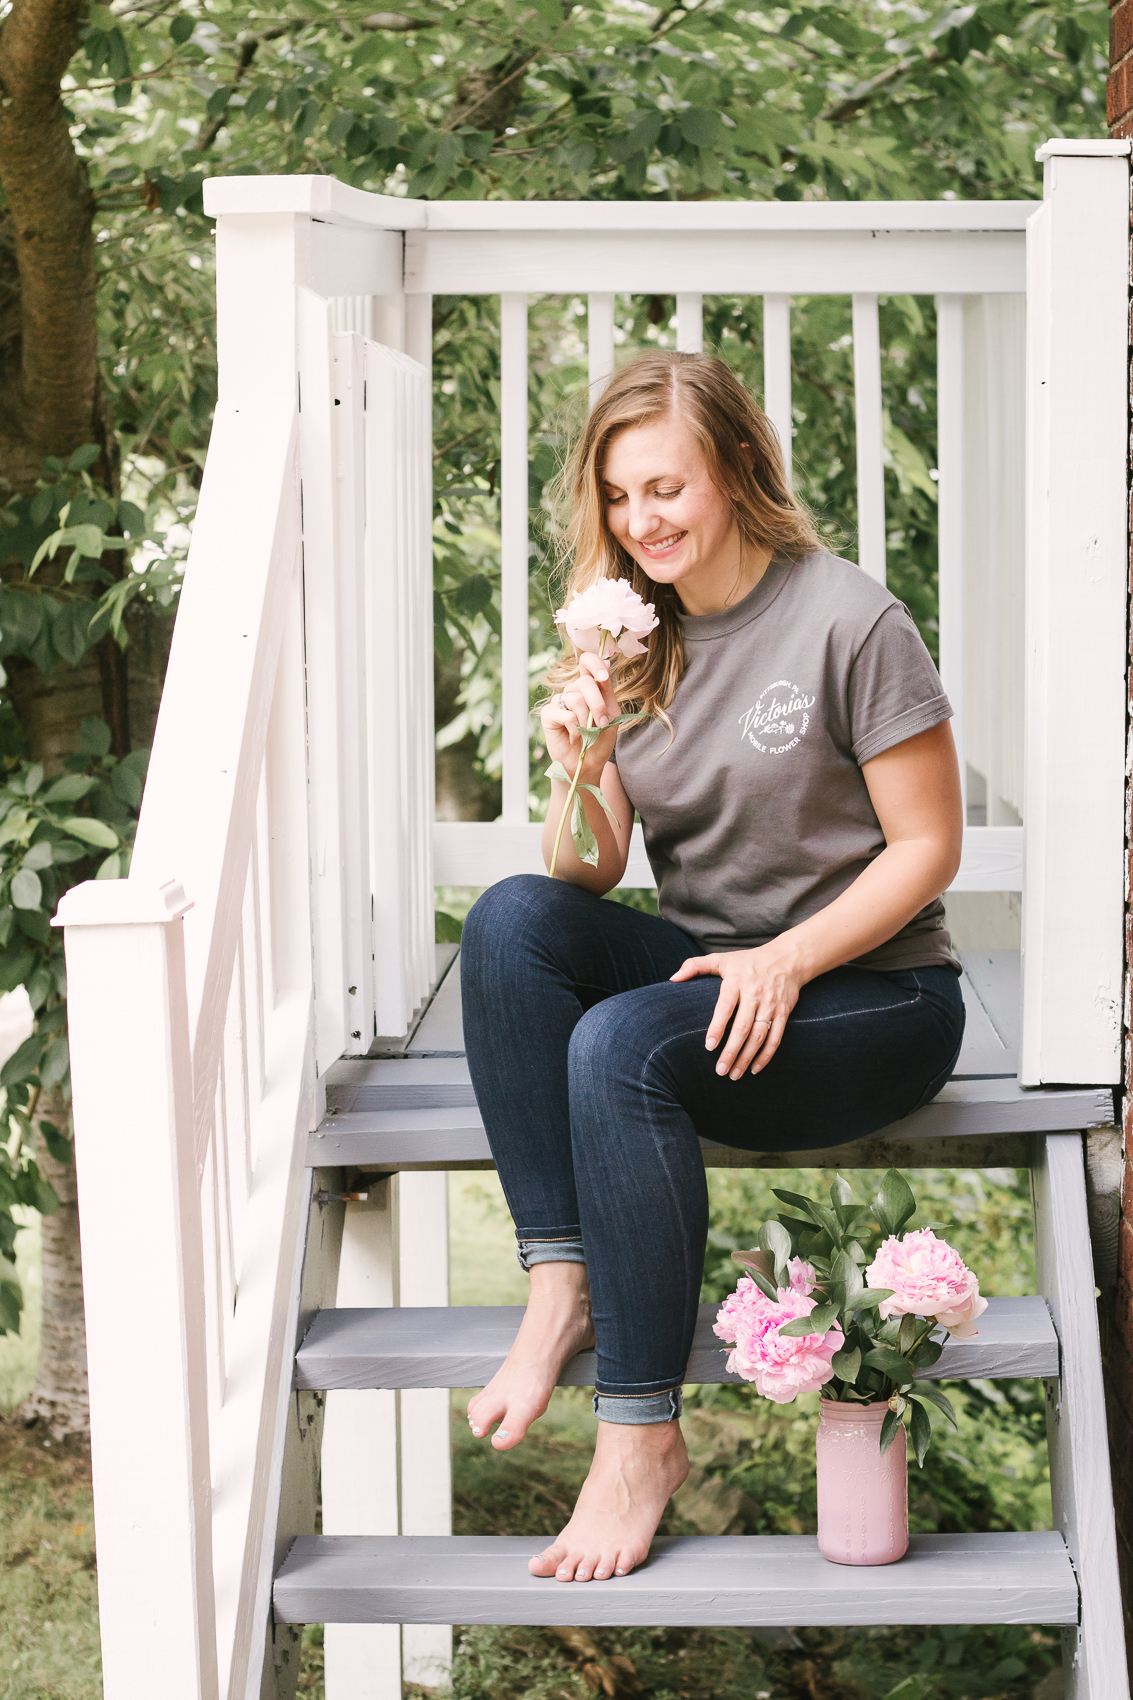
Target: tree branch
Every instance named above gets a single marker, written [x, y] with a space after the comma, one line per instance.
[865, 92]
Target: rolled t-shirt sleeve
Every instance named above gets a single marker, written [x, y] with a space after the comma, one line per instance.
[894, 690]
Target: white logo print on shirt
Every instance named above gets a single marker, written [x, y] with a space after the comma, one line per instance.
[779, 718]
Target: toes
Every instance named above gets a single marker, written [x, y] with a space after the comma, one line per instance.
[513, 1426]
[626, 1561]
[605, 1566]
[483, 1412]
[546, 1563]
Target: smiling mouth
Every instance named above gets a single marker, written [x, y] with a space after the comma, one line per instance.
[665, 542]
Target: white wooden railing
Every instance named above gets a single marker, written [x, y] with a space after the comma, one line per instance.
[278, 913]
[971, 257]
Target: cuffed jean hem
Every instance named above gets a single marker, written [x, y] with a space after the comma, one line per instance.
[530, 1252]
[639, 1407]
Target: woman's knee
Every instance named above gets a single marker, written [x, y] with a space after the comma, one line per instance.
[611, 1043]
[516, 913]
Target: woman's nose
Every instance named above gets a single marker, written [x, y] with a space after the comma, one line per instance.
[643, 521]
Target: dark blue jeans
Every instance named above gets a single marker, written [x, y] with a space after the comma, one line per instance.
[594, 1083]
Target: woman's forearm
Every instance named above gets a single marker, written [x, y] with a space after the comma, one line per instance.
[883, 899]
[570, 867]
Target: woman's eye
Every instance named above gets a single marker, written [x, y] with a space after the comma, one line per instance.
[668, 495]
[612, 501]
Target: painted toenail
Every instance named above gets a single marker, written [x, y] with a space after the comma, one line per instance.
[599, 1573]
[619, 1573]
[476, 1431]
[501, 1434]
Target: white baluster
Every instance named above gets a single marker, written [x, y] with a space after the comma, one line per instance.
[690, 324]
[599, 342]
[867, 415]
[514, 559]
[361, 1443]
[426, 1467]
[777, 373]
[950, 466]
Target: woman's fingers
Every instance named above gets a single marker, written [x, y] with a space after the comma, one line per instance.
[770, 1044]
[696, 965]
[725, 1004]
[741, 1031]
[760, 1031]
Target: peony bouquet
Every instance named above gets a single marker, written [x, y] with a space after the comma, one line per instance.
[832, 1303]
[606, 618]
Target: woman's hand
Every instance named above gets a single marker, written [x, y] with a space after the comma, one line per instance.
[759, 989]
[591, 693]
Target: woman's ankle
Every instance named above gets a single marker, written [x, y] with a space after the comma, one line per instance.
[562, 1285]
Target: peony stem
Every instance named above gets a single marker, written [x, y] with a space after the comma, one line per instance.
[573, 792]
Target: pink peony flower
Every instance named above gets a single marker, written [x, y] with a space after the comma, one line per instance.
[928, 1279]
[738, 1309]
[781, 1365]
[800, 1275]
[608, 605]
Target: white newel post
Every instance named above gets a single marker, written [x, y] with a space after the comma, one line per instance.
[143, 1284]
[1076, 586]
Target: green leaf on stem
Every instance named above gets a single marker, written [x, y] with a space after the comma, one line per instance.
[934, 1397]
[555, 771]
[890, 1363]
[889, 1430]
[585, 842]
[844, 1270]
[594, 792]
[847, 1363]
[895, 1201]
[756, 1262]
[927, 1353]
[907, 1333]
[922, 1433]
[96, 832]
[820, 1320]
[870, 1297]
[773, 1237]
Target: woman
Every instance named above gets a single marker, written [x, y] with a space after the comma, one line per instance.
[797, 785]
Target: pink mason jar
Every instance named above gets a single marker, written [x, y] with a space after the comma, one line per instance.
[863, 1499]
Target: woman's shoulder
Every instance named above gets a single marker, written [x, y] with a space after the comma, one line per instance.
[840, 594]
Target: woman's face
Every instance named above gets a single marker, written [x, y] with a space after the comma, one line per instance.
[663, 508]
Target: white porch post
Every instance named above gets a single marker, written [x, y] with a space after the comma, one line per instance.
[132, 1080]
[1076, 585]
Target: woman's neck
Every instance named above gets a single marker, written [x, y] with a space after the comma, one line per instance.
[720, 584]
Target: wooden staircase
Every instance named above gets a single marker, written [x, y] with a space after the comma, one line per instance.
[413, 1108]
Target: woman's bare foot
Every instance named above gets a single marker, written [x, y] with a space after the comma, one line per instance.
[555, 1326]
[636, 1469]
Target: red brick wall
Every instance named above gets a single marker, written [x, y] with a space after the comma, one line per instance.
[1116, 1307]
[1119, 89]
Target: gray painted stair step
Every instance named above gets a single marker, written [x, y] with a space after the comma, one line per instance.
[418, 1135]
[711, 1580]
[464, 1346]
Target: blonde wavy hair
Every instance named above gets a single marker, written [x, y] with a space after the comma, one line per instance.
[741, 451]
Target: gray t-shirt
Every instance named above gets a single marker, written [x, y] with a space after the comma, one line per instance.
[757, 815]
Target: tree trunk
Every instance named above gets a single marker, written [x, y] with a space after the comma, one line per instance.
[50, 400]
[59, 1397]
